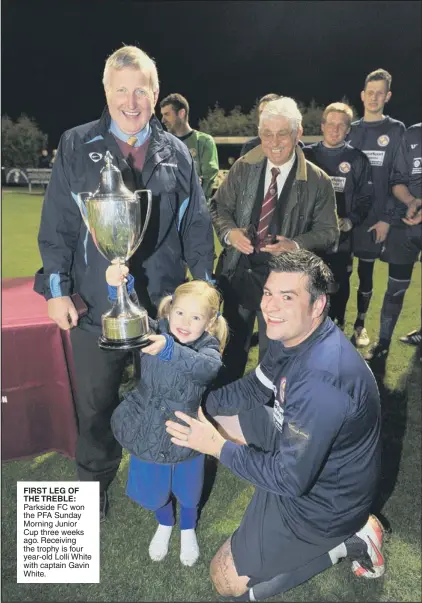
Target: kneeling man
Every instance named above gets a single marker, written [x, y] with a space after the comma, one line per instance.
[314, 458]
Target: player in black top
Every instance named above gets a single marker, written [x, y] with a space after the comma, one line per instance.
[379, 137]
[350, 173]
[262, 103]
[403, 243]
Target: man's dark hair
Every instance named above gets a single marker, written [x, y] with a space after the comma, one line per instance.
[379, 75]
[177, 101]
[319, 275]
[268, 97]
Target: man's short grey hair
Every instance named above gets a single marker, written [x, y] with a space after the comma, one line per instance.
[131, 56]
[283, 107]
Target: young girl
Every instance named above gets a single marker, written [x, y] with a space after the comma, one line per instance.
[174, 371]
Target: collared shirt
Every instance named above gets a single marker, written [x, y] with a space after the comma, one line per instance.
[142, 135]
[281, 180]
[282, 177]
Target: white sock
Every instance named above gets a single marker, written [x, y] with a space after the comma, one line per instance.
[189, 549]
[159, 545]
[338, 553]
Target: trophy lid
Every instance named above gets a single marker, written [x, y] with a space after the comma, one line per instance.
[111, 181]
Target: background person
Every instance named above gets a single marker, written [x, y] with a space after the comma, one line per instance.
[44, 160]
[350, 173]
[403, 245]
[179, 233]
[379, 137]
[175, 117]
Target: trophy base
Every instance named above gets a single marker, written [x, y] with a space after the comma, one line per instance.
[129, 344]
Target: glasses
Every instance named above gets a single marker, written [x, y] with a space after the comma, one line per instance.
[269, 136]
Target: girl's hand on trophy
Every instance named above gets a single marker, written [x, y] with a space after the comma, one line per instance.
[116, 274]
[158, 344]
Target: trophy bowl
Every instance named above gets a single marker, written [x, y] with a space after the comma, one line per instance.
[113, 216]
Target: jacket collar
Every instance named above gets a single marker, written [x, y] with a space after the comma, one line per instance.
[157, 139]
[256, 156]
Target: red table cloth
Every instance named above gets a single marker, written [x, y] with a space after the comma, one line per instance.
[38, 413]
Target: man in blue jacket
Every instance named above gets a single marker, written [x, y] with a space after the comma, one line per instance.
[179, 235]
[314, 458]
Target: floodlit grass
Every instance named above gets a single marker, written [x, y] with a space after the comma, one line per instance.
[127, 574]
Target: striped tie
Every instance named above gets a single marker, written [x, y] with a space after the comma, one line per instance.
[132, 140]
[268, 207]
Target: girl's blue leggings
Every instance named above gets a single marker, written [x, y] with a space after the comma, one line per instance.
[151, 486]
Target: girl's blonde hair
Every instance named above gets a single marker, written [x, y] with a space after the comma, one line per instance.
[211, 298]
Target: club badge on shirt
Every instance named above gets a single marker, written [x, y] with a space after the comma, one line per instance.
[345, 167]
[417, 165]
[383, 140]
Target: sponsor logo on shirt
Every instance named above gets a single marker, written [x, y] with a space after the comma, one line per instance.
[278, 415]
[345, 167]
[376, 158]
[168, 164]
[417, 165]
[95, 157]
[383, 140]
[338, 183]
[413, 146]
[278, 410]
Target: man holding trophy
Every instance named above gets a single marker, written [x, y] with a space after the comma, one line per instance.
[121, 190]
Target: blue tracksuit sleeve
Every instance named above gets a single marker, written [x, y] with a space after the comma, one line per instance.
[255, 389]
[59, 229]
[313, 415]
[195, 225]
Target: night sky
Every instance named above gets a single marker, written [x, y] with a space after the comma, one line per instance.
[53, 53]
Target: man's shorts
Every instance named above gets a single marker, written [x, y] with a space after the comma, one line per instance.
[264, 546]
[363, 242]
[403, 245]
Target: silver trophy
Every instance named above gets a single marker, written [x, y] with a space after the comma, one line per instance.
[113, 217]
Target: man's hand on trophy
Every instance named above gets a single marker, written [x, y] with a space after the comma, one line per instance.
[158, 344]
[116, 274]
[63, 312]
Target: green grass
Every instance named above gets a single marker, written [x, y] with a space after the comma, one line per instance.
[127, 574]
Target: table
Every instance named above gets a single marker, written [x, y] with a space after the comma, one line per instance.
[38, 412]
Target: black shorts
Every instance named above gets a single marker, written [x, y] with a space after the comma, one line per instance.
[264, 546]
[363, 242]
[403, 245]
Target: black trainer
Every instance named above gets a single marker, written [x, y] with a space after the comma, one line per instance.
[377, 357]
[104, 504]
[412, 338]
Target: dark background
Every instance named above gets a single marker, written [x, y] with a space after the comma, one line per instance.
[53, 53]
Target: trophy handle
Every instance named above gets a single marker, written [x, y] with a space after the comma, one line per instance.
[82, 197]
[147, 217]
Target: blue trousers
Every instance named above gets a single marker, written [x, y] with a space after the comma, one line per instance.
[151, 486]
